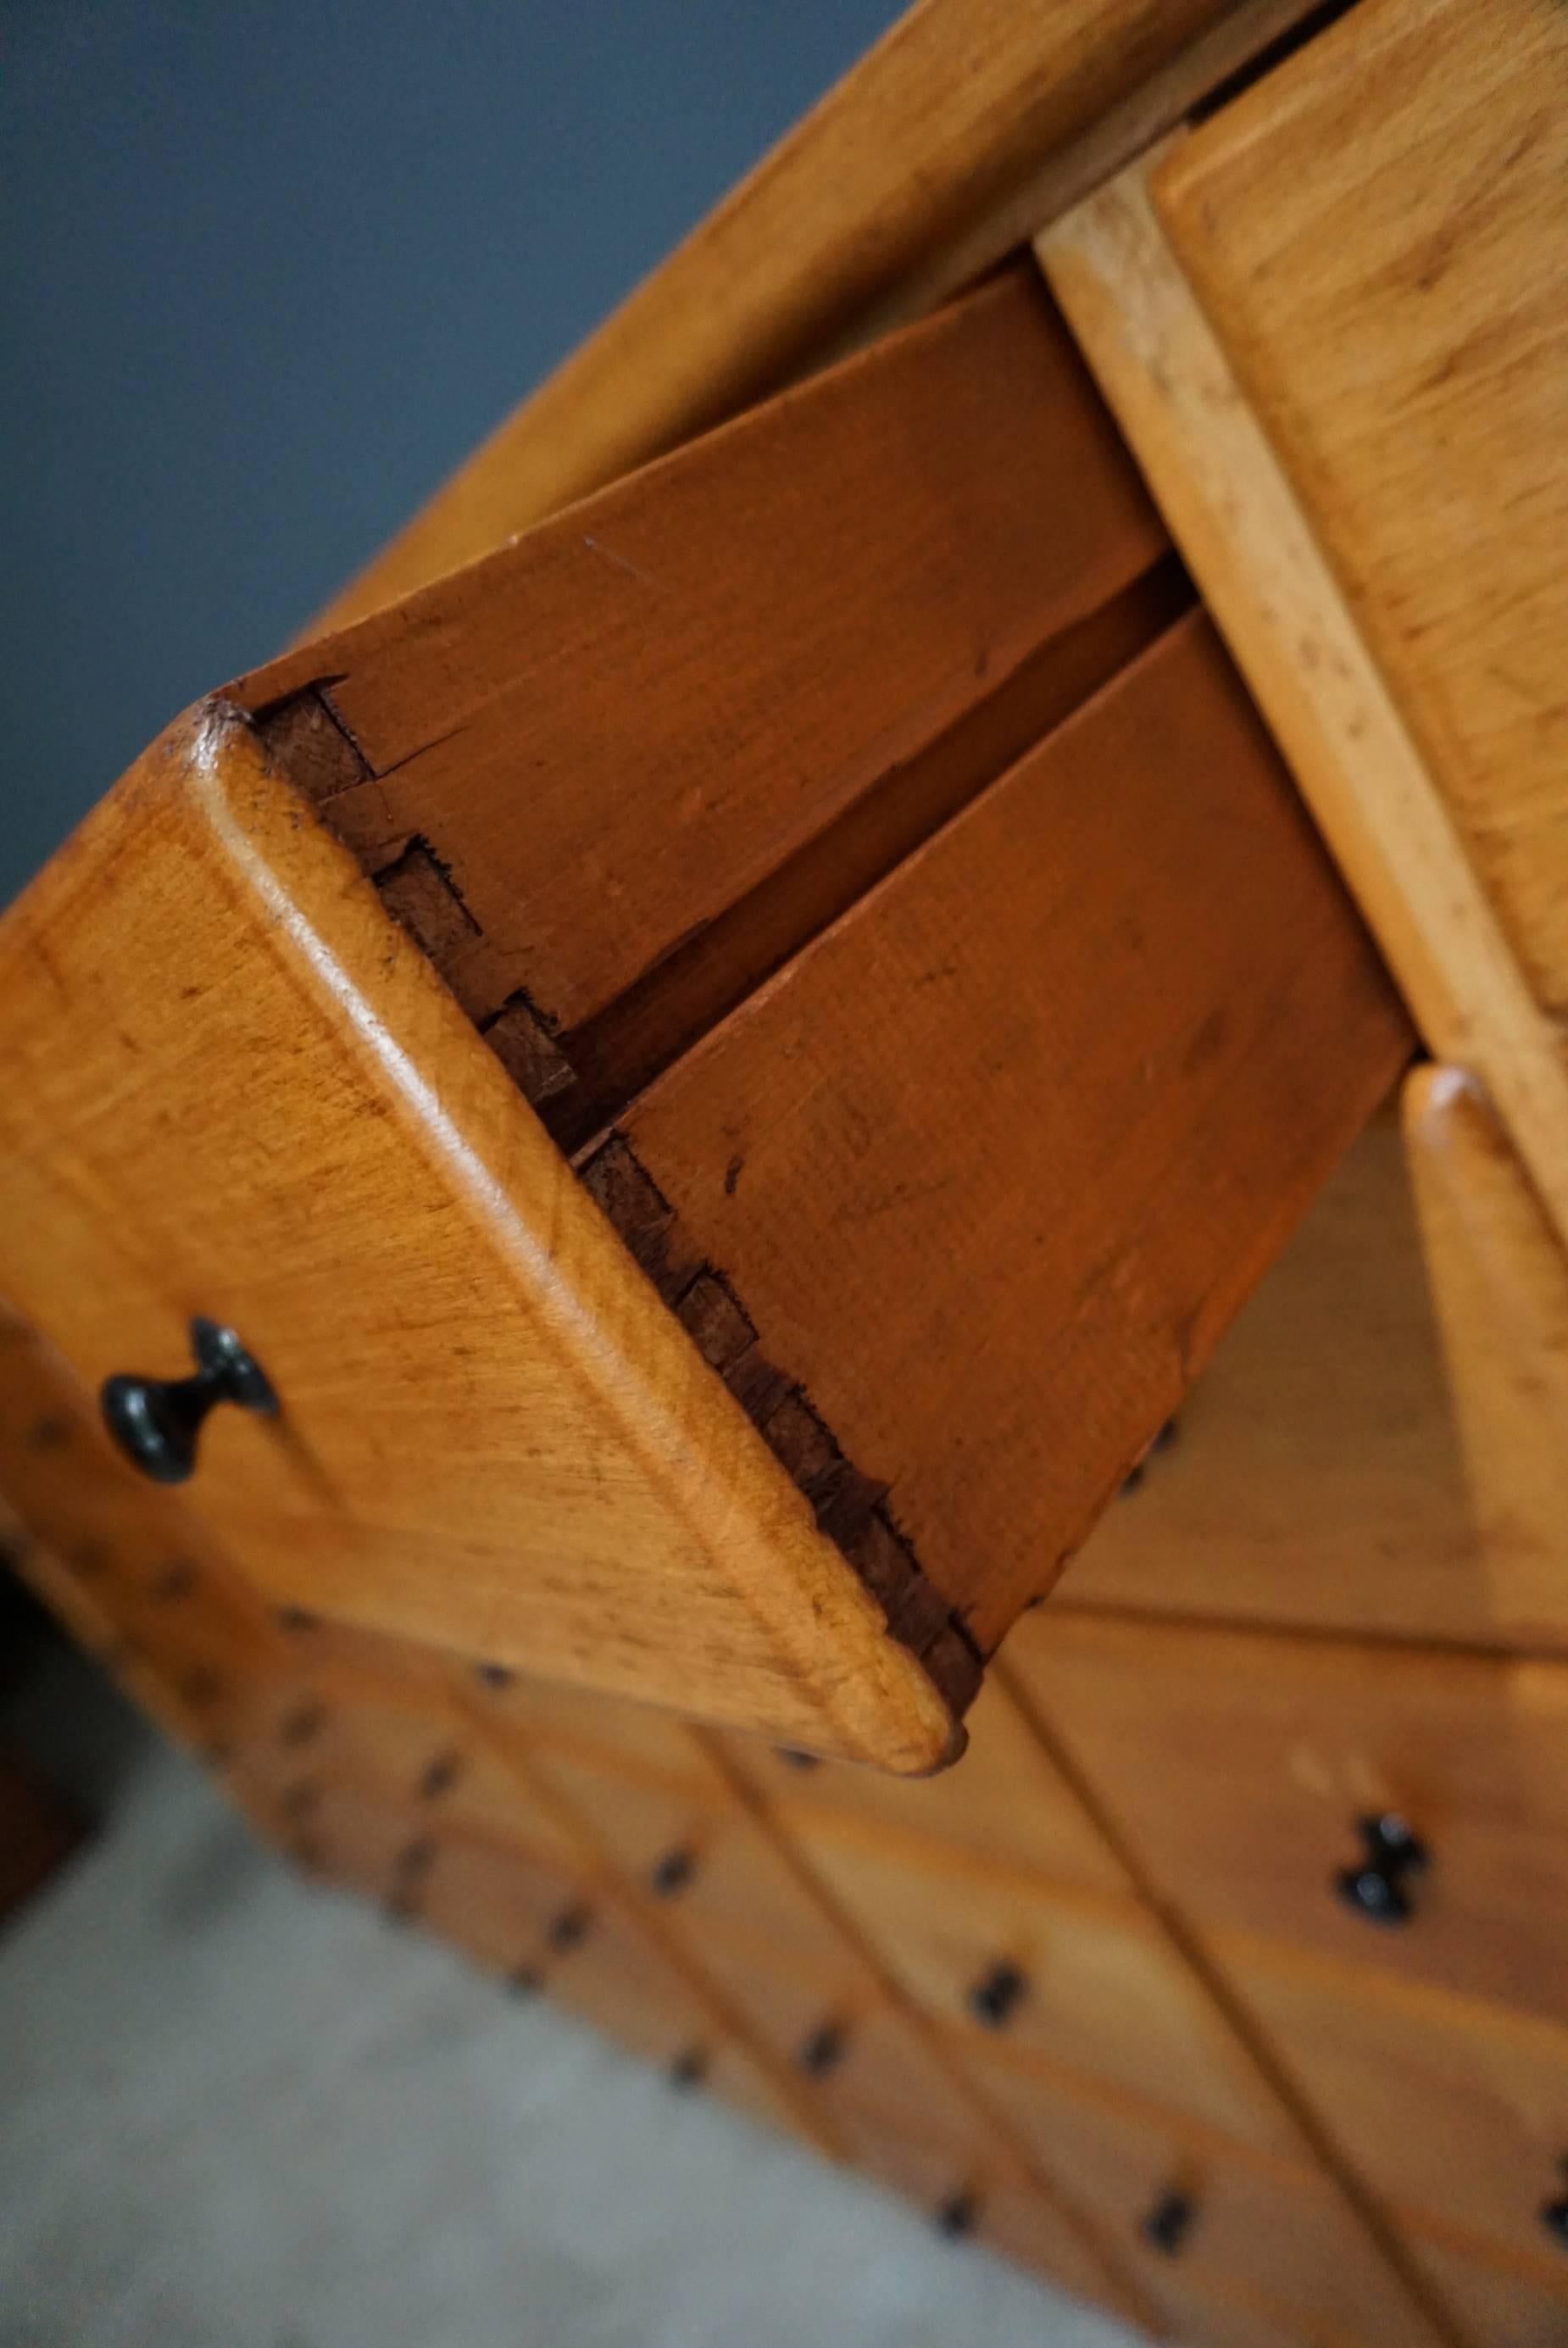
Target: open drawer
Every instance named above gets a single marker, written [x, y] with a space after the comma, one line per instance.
[729, 1063]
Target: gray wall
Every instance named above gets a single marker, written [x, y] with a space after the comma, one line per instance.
[271, 269]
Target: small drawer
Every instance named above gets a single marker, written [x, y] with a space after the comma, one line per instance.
[813, 2018]
[1180, 2202]
[735, 2077]
[1253, 1774]
[984, 2199]
[1092, 1981]
[612, 1974]
[942, 2159]
[415, 1756]
[349, 1834]
[1014, 2218]
[708, 1860]
[513, 1912]
[1453, 2109]
[1003, 1800]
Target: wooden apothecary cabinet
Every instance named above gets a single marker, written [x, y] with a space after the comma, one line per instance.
[820, 954]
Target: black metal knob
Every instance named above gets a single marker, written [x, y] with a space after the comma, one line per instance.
[956, 2215]
[1170, 2222]
[1379, 1889]
[997, 1994]
[571, 1926]
[689, 2069]
[156, 1421]
[674, 1872]
[823, 2049]
[1554, 2213]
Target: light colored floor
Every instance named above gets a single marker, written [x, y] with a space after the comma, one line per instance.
[239, 2113]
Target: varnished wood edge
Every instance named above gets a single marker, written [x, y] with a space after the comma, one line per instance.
[1243, 531]
[309, 745]
[208, 802]
[849, 1507]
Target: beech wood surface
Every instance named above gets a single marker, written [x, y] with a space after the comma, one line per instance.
[1450, 2107]
[1272, 2233]
[1241, 523]
[992, 1162]
[1374, 1447]
[233, 1087]
[1499, 1281]
[1238, 1764]
[1378, 232]
[614, 776]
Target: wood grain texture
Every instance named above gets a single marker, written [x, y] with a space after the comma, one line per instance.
[994, 1159]
[217, 1099]
[1003, 1799]
[1241, 526]
[1102, 1990]
[647, 750]
[958, 106]
[1368, 1451]
[809, 681]
[1268, 2232]
[1452, 2110]
[1379, 234]
[1237, 1766]
[1499, 1285]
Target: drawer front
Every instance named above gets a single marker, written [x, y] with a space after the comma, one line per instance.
[512, 1911]
[346, 1833]
[1449, 2109]
[1012, 2217]
[735, 2077]
[978, 2195]
[862, 2067]
[1185, 2208]
[435, 1780]
[710, 1864]
[1004, 1799]
[493, 1435]
[1244, 1768]
[614, 1977]
[1377, 231]
[1090, 1981]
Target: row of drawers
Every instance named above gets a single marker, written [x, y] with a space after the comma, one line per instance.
[1108, 2063]
[996, 1909]
[1132, 2042]
[1429, 2036]
[991, 1886]
[806, 2040]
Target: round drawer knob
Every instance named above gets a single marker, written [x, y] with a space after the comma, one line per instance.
[957, 2214]
[674, 1872]
[1170, 2222]
[997, 1994]
[823, 2049]
[1379, 1889]
[156, 1421]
